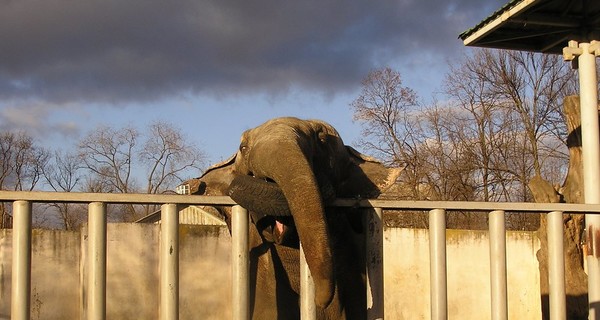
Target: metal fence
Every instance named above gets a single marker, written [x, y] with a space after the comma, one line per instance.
[169, 250]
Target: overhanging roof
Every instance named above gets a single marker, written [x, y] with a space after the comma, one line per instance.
[537, 25]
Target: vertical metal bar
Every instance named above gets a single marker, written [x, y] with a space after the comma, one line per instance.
[588, 85]
[437, 263]
[96, 282]
[374, 245]
[556, 266]
[308, 310]
[498, 265]
[21, 264]
[169, 262]
[240, 264]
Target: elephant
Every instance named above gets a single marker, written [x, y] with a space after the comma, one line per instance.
[286, 173]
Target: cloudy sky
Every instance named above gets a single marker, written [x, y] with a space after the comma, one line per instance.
[214, 67]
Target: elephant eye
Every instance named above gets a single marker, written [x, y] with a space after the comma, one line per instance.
[243, 148]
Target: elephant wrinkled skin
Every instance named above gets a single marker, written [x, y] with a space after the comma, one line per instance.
[284, 173]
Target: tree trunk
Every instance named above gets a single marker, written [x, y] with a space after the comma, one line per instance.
[574, 224]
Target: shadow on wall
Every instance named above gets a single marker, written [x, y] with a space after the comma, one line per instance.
[574, 310]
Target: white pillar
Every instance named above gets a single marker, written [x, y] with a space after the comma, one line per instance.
[585, 53]
[169, 262]
[588, 85]
[374, 245]
[556, 266]
[308, 310]
[437, 264]
[21, 264]
[240, 266]
[96, 290]
[498, 265]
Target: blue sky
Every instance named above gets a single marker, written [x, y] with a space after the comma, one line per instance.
[214, 68]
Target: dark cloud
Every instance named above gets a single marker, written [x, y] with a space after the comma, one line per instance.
[136, 50]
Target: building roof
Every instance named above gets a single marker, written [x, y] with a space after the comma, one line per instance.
[189, 215]
[537, 25]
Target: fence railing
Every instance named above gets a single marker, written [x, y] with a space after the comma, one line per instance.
[169, 250]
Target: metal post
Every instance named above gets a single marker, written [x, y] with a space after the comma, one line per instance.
[308, 310]
[498, 265]
[240, 264]
[374, 246]
[169, 262]
[556, 266]
[21, 264]
[96, 282]
[437, 263]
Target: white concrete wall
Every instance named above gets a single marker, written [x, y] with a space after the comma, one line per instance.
[406, 269]
[132, 267]
[205, 274]
[58, 289]
[54, 274]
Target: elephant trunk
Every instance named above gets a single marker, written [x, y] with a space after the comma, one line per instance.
[293, 173]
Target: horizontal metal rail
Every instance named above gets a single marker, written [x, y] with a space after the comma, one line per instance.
[121, 198]
[140, 198]
[169, 257]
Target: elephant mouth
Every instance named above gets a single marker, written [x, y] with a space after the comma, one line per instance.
[278, 230]
[268, 208]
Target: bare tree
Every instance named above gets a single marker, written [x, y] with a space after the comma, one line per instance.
[513, 100]
[109, 154]
[423, 140]
[64, 174]
[384, 108]
[21, 163]
[168, 157]
[161, 156]
[501, 126]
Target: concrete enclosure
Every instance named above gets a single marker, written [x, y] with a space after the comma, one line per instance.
[58, 271]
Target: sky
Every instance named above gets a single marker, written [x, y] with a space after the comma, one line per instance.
[214, 68]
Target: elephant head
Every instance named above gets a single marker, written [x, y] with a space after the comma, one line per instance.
[292, 167]
[291, 153]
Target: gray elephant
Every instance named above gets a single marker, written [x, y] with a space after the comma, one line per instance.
[285, 173]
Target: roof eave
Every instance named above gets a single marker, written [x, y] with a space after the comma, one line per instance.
[471, 36]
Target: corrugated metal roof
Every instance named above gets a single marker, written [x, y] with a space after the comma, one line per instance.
[537, 25]
[189, 215]
[492, 17]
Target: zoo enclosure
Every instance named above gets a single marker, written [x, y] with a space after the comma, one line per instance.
[169, 250]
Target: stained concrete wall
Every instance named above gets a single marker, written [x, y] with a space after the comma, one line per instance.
[406, 272]
[54, 274]
[132, 284]
[58, 286]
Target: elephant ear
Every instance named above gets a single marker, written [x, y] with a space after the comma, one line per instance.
[331, 155]
[367, 177]
[214, 181]
[228, 162]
